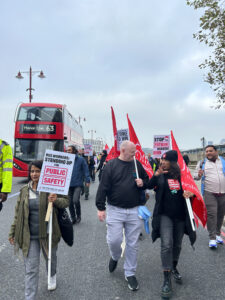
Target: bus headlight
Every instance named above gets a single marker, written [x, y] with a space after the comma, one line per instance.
[16, 166]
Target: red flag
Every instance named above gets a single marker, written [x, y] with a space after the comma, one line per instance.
[112, 154]
[140, 155]
[188, 183]
[114, 131]
[107, 148]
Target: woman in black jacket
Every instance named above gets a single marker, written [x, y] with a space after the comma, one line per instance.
[170, 217]
[101, 164]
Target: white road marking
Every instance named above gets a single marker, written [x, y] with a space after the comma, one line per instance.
[11, 196]
[2, 247]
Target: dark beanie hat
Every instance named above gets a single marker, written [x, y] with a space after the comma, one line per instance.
[105, 152]
[170, 155]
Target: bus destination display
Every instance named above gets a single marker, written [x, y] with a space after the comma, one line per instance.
[37, 128]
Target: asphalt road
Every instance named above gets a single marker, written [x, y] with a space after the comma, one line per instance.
[83, 269]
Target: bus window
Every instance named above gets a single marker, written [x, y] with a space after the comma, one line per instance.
[47, 114]
[28, 150]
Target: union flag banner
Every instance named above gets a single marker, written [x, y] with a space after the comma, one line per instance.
[188, 183]
[139, 155]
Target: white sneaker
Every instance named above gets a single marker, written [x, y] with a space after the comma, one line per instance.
[219, 240]
[212, 244]
[52, 284]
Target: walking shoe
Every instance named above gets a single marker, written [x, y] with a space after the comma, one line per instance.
[112, 265]
[219, 240]
[141, 237]
[177, 276]
[86, 198]
[166, 290]
[74, 221]
[212, 244]
[132, 283]
[52, 283]
[78, 220]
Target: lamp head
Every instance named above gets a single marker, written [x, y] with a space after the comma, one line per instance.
[19, 75]
[41, 75]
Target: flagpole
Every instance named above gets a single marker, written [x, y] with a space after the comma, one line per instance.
[190, 212]
[48, 219]
[135, 163]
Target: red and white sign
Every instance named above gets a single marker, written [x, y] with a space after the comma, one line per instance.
[54, 176]
[56, 172]
[174, 184]
[161, 144]
[88, 150]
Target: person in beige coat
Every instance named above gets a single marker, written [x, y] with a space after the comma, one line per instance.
[29, 229]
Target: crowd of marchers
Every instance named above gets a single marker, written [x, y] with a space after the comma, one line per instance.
[123, 183]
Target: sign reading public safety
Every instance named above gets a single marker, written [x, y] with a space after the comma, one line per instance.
[56, 172]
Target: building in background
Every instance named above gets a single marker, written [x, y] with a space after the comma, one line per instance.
[98, 144]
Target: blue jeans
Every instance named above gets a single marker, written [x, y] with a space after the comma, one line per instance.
[127, 219]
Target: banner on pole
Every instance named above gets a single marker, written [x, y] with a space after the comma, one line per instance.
[107, 148]
[161, 144]
[188, 183]
[122, 135]
[88, 150]
[139, 155]
[56, 172]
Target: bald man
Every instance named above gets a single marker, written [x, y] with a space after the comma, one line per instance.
[124, 194]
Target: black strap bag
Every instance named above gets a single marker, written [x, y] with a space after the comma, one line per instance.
[66, 226]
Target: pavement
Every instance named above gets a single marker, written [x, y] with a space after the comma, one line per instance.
[83, 269]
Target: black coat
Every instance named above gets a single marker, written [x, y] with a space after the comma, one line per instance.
[158, 182]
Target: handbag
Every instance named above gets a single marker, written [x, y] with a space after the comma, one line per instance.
[66, 226]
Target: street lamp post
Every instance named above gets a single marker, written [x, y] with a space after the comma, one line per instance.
[30, 72]
[92, 132]
[81, 118]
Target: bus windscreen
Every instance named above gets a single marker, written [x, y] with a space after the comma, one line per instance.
[28, 150]
[46, 114]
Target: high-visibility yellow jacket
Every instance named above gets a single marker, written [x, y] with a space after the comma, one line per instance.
[6, 165]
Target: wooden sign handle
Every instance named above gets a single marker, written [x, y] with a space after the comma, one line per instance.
[47, 217]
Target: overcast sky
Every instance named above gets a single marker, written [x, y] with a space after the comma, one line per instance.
[137, 56]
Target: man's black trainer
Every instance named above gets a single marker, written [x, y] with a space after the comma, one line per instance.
[112, 265]
[132, 283]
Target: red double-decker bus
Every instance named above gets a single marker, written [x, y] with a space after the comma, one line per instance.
[41, 126]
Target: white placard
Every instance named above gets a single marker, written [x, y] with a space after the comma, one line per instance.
[56, 172]
[161, 144]
[88, 150]
[122, 135]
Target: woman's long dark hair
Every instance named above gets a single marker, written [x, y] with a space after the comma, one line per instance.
[37, 164]
[174, 170]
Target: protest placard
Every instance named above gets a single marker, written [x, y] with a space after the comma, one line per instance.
[88, 150]
[122, 135]
[161, 144]
[56, 172]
